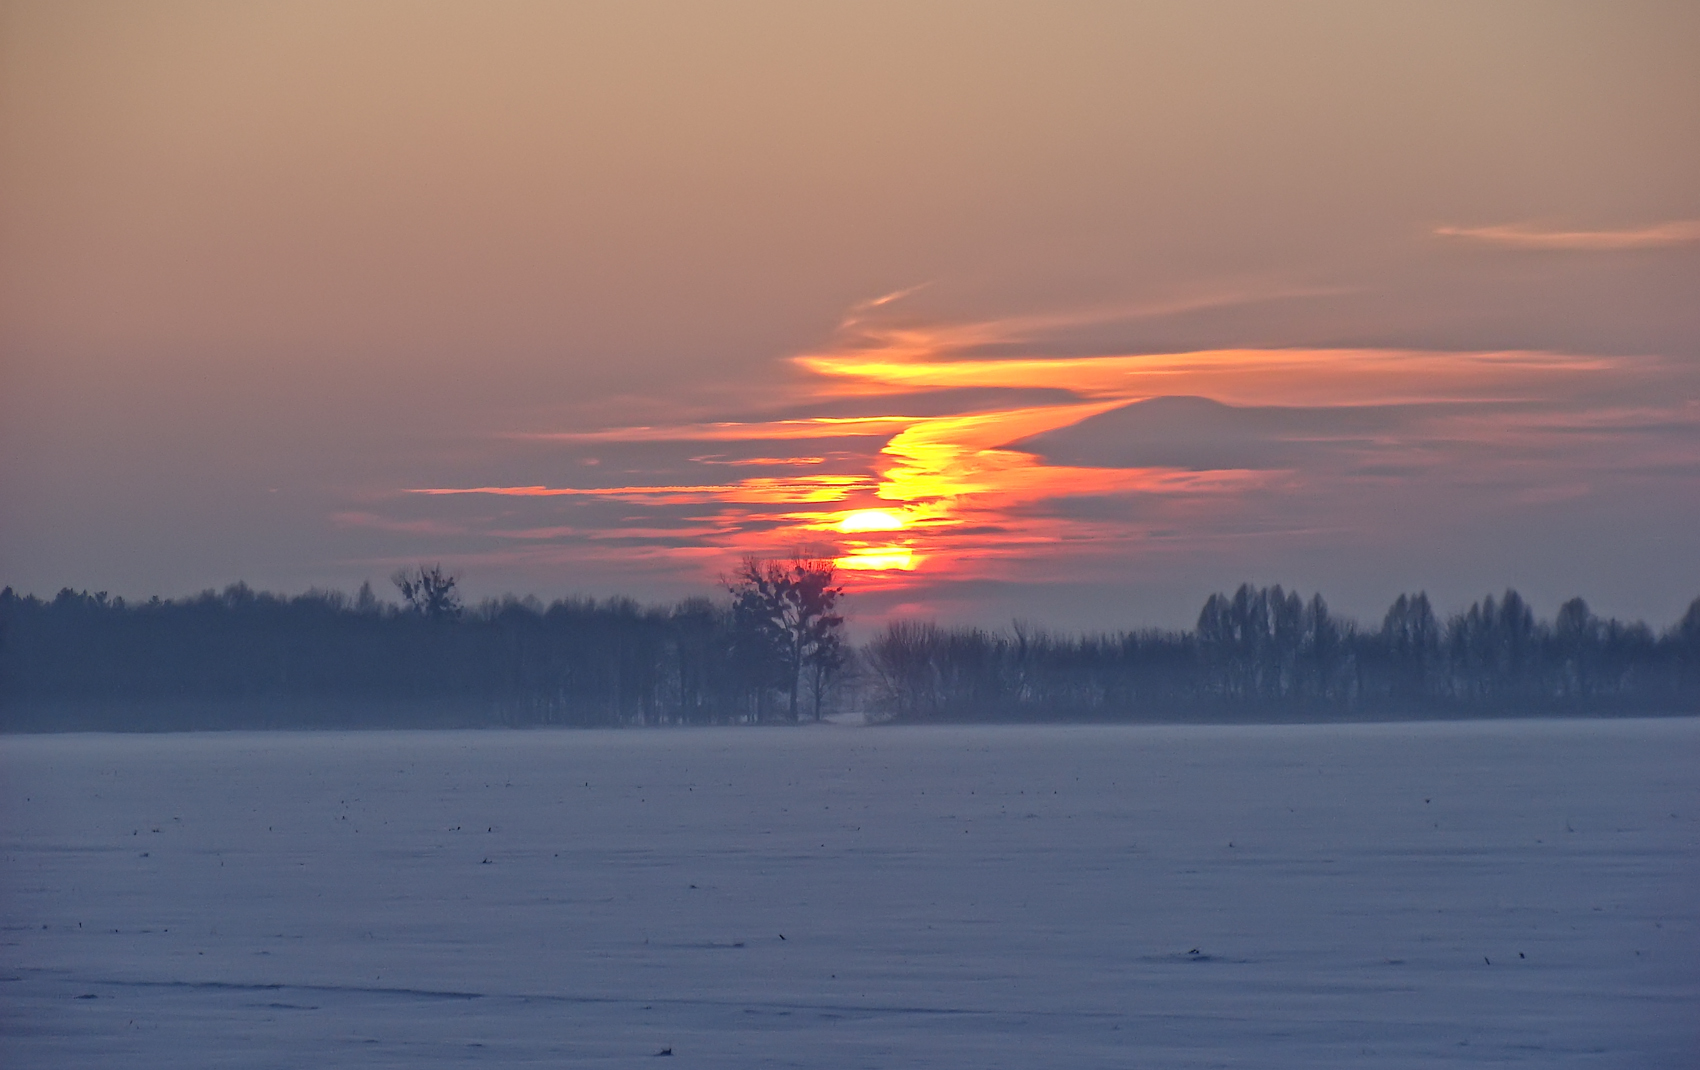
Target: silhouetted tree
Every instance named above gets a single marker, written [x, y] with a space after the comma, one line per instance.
[251, 658]
[1410, 642]
[1325, 652]
[1233, 639]
[429, 592]
[1684, 641]
[827, 655]
[1576, 641]
[1250, 643]
[365, 601]
[785, 613]
[903, 660]
[1493, 646]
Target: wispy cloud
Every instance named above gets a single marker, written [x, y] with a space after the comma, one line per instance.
[1237, 376]
[985, 489]
[762, 490]
[1521, 236]
[733, 431]
[862, 308]
[756, 462]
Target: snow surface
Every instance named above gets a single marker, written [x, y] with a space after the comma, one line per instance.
[1504, 893]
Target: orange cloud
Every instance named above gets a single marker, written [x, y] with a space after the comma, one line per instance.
[1233, 376]
[757, 462]
[762, 490]
[952, 495]
[729, 431]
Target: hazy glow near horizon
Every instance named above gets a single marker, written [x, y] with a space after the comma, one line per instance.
[1074, 313]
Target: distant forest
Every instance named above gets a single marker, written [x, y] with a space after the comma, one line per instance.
[773, 652]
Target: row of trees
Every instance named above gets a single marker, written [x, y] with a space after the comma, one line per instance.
[1267, 652]
[774, 650]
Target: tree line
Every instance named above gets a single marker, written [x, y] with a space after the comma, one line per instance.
[239, 657]
[1267, 653]
[773, 650]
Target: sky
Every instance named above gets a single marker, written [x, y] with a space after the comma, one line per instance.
[1068, 313]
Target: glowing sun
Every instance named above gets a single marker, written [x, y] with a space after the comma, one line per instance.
[871, 520]
[878, 559]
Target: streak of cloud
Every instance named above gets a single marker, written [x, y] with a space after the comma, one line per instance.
[732, 431]
[765, 490]
[1667, 235]
[990, 490]
[862, 308]
[756, 462]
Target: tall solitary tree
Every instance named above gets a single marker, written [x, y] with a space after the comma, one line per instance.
[786, 611]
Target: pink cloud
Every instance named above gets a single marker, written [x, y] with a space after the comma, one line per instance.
[1519, 236]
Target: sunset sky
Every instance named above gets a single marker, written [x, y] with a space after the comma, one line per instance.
[1073, 313]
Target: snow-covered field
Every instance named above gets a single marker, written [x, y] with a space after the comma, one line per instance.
[1319, 896]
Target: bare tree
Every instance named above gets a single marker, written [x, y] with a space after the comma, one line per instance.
[786, 612]
[827, 655]
[428, 591]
